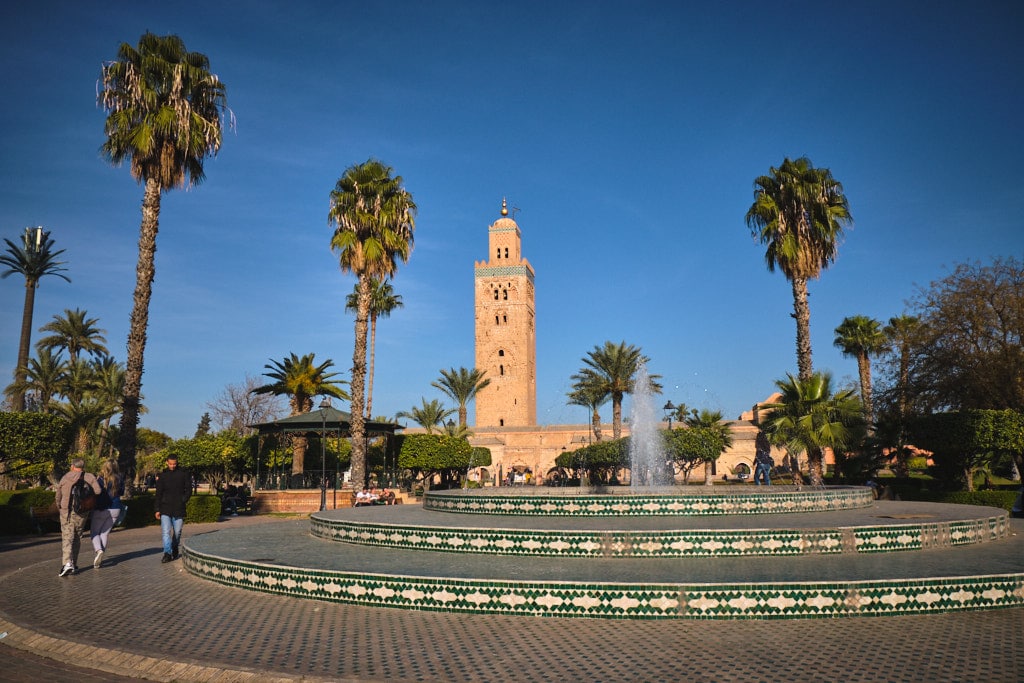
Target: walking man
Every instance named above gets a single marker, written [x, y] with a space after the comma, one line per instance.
[763, 462]
[72, 520]
[173, 489]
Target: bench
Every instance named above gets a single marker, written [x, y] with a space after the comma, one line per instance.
[236, 505]
[44, 513]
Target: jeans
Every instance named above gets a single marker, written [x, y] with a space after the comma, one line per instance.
[762, 471]
[168, 525]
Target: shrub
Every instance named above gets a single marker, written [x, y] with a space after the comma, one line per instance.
[15, 508]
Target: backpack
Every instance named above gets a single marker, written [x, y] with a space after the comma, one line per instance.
[82, 498]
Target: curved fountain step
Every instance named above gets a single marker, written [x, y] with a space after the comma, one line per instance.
[286, 559]
[681, 501]
[883, 527]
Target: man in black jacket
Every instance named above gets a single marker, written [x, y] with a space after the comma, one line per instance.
[173, 489]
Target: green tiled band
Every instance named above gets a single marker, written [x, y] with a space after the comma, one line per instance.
[668, 543]
[617, 600]
[556, 502]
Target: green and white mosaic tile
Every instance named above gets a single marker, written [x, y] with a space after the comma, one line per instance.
[680, 502]
[617, 600]
[667, 543]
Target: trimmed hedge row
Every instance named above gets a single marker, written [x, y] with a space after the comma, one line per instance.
[15, 506]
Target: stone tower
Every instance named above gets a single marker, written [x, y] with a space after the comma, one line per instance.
[506, 334]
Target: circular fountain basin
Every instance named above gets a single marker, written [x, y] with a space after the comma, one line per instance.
[686, 501]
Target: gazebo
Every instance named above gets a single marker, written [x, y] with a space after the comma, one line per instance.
[323, 421]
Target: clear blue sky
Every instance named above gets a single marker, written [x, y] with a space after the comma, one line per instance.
[627, 134]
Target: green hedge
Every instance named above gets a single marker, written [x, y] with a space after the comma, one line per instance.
[995, 499]
[15, 506]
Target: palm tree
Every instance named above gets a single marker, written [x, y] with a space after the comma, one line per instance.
[81, 407]
[461, 386]
[300, 380]
[799, 212]
[164, 117]
[900, 333]
[591, 397]
[383, 300]
[711, 420]
[33, 259]
[610, 369]
[861, 337]
[809, 417]
[75, 333]
[429, 415]
[110, 392]
[374, 219]
[43, 378]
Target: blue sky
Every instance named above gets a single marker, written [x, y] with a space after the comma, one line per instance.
[627, 135]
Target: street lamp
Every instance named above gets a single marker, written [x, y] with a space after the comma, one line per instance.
[324, 405]
[669, 410]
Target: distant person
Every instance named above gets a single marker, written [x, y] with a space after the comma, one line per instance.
[73, 513]
[763, 462]
[105, 515]
[173, 489]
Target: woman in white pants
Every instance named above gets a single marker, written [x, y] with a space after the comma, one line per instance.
[102, 521]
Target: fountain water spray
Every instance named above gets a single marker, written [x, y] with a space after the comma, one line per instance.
[646, 447]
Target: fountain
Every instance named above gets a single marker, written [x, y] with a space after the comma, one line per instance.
[647, 460]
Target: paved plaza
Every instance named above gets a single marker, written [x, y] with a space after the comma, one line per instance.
[138, 619]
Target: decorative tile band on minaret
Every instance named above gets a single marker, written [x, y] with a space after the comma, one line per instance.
[506, 335]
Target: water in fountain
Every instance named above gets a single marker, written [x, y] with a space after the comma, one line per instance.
[646, 448]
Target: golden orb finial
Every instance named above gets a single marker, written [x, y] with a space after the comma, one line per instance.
[504, 207]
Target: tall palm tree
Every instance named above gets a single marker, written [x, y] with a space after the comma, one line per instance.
[810, 418]
[799, 212]
[428, 415]
[900, 333]
[861, 337]
[373, 216]
[300, 379]
[165, 114]
[710, 420]
[591, 397]
[43, 378]
[33, 259]
[611, 369]
[461, 386]
[383, 300]
[74, 332]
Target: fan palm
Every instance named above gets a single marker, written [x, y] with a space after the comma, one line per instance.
[461, 386]
[300, 379]
[165, 115]
[428, 415]
[33, 259]
[799, 212]
[74, 332]
[810, 418]
[43, 378]
[861, 337]
[383, 300]
[591, 397]
[373, 216]
[610, 370]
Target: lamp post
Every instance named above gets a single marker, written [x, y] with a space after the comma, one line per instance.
[669, 409]
[324, 405]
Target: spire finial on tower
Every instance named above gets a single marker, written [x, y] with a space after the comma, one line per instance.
[504, 207]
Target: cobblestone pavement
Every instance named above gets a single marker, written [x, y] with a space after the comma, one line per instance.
[148, 620]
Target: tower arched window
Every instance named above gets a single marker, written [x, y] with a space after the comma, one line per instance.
[499, 252]
[504, 318]
[495, 295]
[496, 320]
[501, 370]
[506, 252]
[504, 294]
[501, 352]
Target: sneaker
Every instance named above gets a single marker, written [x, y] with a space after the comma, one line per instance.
[67, 569]
[99, 559]
[166, 558]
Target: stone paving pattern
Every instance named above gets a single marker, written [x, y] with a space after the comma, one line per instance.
[153, 621]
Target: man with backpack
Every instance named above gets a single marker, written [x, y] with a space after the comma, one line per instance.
[173, 489]
[76, 496]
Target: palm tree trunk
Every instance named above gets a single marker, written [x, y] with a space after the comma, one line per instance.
[145, 271]
[802, 314]
[369, 379]
[864, 369]
[596, 422]
[18, 399]
[815, 465]
[299, 446]
[358, 427]
[616, 418]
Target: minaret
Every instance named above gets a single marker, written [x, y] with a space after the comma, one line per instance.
[506, 334]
